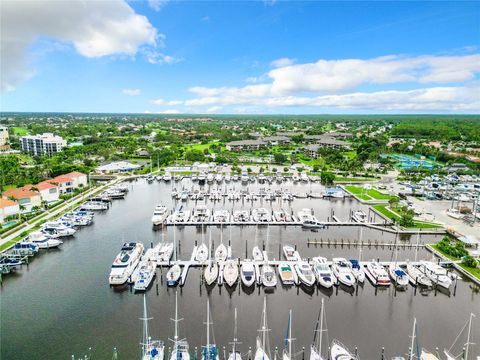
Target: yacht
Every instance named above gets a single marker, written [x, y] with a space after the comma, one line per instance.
[244, 178]
[201, 179]
[261, 353]
[221, 253]
[334, 193]
[167, 177]
[295, 178]
[202, 253]
[437, 274]
[287, 351]
[230, 272]
[377, 274]
[219, 178]
[160, 214]
[454, 213]
[201, 214]
[323, 272]
[342, 271]
[44, 241]
[261, 215]
[209, 351]
[241, 216]
[125, 263]
[282, 216]
[26, 247]
[306, 217]
[261, 178]
[151, 349]
[210, 178]
[287, 274]
[290, 253]
[269, 278]
[357, 271]
[247, 273]
[57, 230]
[145, 275]
[359, 216]
[417, 277]
[305, 273]
[165, 252]
[93, 206]
[301, 195]
[173, 275]
[398, 275]
[221, 216]
[339, 351]
[184, 195]
[257, 254]
[10, 263]
[180, 346]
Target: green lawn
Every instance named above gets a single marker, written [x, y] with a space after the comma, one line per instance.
[353, 179]
[20, 131]
[200, 147]
[368, 194]
[382, 209]
[474, 271]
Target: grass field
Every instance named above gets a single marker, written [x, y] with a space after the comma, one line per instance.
[474, 271]
[368, 194]
[200, 147]
[20, 131]
[382, 209]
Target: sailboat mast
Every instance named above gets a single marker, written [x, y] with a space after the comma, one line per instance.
[321, 332]
[468, 336]
[290, 335]
[264, 327]
[176, 318]
[145, 325]
[418, 242]
[410, 357]
[174, 244]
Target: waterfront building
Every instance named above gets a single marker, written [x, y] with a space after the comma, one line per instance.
[118, 166]
[78, 179]
[8, 208]
[25, 196]
[44, 144]
[48, 191]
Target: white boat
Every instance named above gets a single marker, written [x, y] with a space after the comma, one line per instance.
[219, 178]
[316, 347]
[173, 275]
[247, 273]
[282, 216]
[201, 214]
[57, 229]
[230, 272]
[44, 241]
[342, 271]
[305, 273]
[339, 351]
[323, 272]
[145, 275]
[315, 195]
[221, 253]
[437, 274]
[454, 213]
[241, 216]
[287, 274]
[261, 178]
[261, 215]
[417, 277]
[167, 177]
[287, 352]
[151, 349]
[93, 206]
[257, 254]
[202, 253]
[210, 178]
[398, 275]
[221, 216]
[180, 346]
[165, 252]
[290, 253]
[306, 217]
[426, 355]
[244, 178]
[125, 263]
[160, 214]
[304, 177]
[261, 352]
[377, 274]
[201, 179]
[357, 270]
[210, 273]
[181, 216]
[359, 216]
[269, 278]
[228, 178]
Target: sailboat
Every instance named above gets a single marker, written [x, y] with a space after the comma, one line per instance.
[180, 346]
[211, 271]
[174, 273]
[466, 347]
[262, 353]
[230, 272]
[209, 351]
[316, 348]
[151, 349]
[416, 276]
[202, 251]
[235, 354]
[341, 352]
[398, 275]
[287, 351]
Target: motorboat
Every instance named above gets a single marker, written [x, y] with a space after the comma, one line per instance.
[230, 272]
[201, 214]
[261, 352]
[165, 252]
[334, 193]
[261, 215]
[398, 275]
[145, 275]
[323, 272]
[180, 350]
[287, 274]
[315, 195]
[241, 216]
[290, 253]
[377, 274]
[93, 206]
[247, 273]
[219, 178]
[151, 349]
[210, 178]
[10, 263]
[26, 247]
[339, 351]
[304, 177]
[308, 220]
[454, 213]
[437, 274]
[58, 230]
[184, 195]
[261, 178]
[282, 216]
[359, 216]
[257, 254]
[221, 216]
[244, 178]
[221, 253]
[417, 277]
[202, 253]
[228, 178]
[125, 263]
[167, 177]
[269, 278]
[173, 275]
[201, 179]
[210, 273]
[44, 241]
[342, 271]
[357, 270]
[181, 216]
[305, 273]
[160, 214]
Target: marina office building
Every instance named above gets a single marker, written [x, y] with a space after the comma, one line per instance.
[44, 144]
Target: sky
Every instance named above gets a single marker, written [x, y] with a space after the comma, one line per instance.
[240, 57]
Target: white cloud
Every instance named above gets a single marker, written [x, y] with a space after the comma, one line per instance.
[169, 111]
[156, 57]
[162, 102]
[131, 92]
[94, 28]
[213, 109]
[157, 5]
[282, 62]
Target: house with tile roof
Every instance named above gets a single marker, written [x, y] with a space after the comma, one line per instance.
[64, 183]
[48, 191]
[79, 179]
[25, 196]
[8, 208]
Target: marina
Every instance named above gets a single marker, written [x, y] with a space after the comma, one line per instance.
[92, 249]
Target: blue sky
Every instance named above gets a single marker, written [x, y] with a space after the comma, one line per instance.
[241, 57]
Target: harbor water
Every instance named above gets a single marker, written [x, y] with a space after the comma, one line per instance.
[61, 304]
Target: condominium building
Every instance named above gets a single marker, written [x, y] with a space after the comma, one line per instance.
[3, 138]
[44, 144]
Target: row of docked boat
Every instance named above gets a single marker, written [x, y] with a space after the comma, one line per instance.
[102, 201]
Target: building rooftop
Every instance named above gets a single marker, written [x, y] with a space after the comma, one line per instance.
[246, 142]
[6, 203]
[20, 193]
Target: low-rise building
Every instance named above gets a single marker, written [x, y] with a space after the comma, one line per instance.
[118, 166]
[48, 191]
[64, 184]
[277, 140]
[248, 145]
[78, 179]
[8, 208]
[311, 150]
[4, 138]
[44, 144]
[24, 196]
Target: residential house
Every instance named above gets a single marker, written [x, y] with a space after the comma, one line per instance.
[249, 145]
[79, 179]
[48, 191]
[25, 196]
[8, 208]
[64, 184]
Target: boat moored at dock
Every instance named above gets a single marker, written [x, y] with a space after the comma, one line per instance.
[125, 263]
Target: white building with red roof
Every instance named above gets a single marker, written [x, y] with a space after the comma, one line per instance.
[48, 191]
[8, 208]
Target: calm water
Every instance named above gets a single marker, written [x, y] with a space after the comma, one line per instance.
[62, 304]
